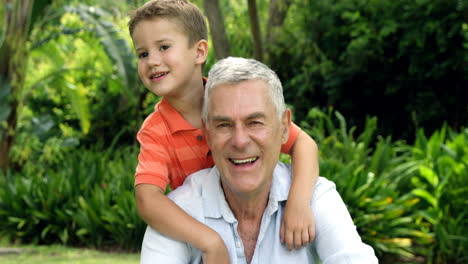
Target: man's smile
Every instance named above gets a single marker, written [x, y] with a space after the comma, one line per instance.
[246, 161]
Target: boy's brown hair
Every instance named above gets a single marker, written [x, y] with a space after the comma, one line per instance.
[186, 14]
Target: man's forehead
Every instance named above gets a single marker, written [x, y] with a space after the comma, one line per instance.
[243, 88]
[254, 115]
[246, 94]
[249, 82]
[242, 101]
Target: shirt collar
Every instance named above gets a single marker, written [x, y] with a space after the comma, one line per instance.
[214, 201]
[174, 120]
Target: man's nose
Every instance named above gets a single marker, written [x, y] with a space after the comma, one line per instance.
[240, 137]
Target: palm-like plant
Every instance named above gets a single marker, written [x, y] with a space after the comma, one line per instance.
[72, 79]
[18, 17]
[441, 181]
[370, 179]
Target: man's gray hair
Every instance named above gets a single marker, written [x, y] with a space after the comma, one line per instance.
[233, 70]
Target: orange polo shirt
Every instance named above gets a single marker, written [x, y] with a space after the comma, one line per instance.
[171, 148]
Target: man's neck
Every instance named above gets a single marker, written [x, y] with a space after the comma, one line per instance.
[248, 211]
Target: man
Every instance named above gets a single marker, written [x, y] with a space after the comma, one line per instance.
[244, 195]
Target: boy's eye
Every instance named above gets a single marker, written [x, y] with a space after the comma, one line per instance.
[164, 47]
[142, 55]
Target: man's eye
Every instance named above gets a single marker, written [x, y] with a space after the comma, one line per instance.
[221, 125]
[164, 47]
[143, 55]
[256, 123]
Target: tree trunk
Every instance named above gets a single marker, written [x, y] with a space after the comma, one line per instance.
[218, 34]
[277, 14]
[255, 28]
[13, 57]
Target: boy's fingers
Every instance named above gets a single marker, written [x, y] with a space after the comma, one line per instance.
[305, 238]
[297, 240]
[289, 240]
[311, 233]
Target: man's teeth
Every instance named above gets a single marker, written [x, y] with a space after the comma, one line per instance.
[243, 161]
[158, 75]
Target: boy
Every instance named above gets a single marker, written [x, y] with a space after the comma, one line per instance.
[170, 40]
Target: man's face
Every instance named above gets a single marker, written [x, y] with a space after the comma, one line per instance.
[245, 136]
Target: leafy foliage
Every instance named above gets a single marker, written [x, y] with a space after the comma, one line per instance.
[441, 182]
[408, 202]
[390, 59]
[82, 83]
[85, 200]
[369, 176]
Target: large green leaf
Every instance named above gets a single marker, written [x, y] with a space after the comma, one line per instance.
[426, 196]
[429, 175]
[80, 105]
[117, 48]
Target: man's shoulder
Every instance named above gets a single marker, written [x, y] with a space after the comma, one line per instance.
[188, 196]
[322, 187]
[283, 178]
[193, 184]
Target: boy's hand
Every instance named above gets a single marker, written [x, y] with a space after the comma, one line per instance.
[297, 226]
[215, 251]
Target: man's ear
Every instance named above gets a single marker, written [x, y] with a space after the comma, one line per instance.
[285, 124]
[202, 51]
[205, 132]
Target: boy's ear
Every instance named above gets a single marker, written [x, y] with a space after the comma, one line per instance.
[202, 51]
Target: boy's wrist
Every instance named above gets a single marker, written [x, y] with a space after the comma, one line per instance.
[300, 194]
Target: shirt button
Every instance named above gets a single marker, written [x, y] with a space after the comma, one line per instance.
[199, 138]
[238, 243]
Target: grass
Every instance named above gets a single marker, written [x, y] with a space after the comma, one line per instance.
[60, 254]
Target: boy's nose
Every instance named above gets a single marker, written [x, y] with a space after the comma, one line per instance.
[154, 59]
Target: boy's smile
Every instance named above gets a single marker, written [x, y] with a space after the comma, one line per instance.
[167, 65]
[155, 77]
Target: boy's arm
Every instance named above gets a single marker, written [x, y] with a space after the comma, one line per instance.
[163, 215]
[297, 227]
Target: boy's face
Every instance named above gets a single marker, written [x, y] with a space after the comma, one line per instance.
[166, 64]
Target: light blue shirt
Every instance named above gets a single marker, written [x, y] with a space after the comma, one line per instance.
[201, 196]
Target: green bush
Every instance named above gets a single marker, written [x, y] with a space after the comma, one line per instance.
[441, 181]
[408, 202]
[86, 199]
[369, 174]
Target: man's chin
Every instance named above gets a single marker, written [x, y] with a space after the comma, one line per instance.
[245, 186]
